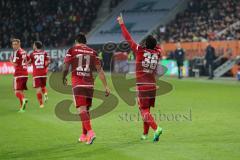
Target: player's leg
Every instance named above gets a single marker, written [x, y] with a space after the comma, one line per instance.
[85, 118]
[145, 130]
[148, 118]
[37, 86]
[39, 97]
[145, 124]
[159, 130]
[20, 96]
[22, 99]
[20, 84]
[181, 71]
[157, 133]
[83, 137]
[83, 100]
[44, 89]
[45, 94]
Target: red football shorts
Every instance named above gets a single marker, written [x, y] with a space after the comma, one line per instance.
[39, 82]
[146, 96]
[20, 83]
[82, 96]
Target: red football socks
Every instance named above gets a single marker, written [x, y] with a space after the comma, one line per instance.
[44, 90]
[39, 97]
[145, 128]
[84, 131]
[147, 117]
[20, 96]
[85, 118]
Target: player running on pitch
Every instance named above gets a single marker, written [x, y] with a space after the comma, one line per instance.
[19, 60]
[147, 59]
[40, 61]
[83, 61]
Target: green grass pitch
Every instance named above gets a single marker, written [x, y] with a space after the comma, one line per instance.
[211, 132]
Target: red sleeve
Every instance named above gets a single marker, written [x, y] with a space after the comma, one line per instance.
[68, 57]
[128, 38]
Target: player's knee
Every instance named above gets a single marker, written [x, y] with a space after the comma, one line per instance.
[18, 91]
[38, 90]
[82, 109]
[145, 113]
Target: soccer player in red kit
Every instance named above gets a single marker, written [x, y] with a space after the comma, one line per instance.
[147, 59]
[19, 60]
[40, 61]
[83, 61]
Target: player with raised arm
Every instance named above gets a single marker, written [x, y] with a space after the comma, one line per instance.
[83, 61]
[19, 60]
[147, 58]
[40, 61]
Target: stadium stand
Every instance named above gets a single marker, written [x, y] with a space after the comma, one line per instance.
[114, 3]
[54, 22]
[142, 17]
[202, 20]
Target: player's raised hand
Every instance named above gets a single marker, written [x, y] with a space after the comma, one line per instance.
[120, 19]
[107, 91]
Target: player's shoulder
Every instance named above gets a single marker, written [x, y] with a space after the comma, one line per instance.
[93, 51]
[33, 52]
[70, 51]
[86, 47]
[44, 52]
[21, 51]
[139, 48]
[88, 50]
[158, 49]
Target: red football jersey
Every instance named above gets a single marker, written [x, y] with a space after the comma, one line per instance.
[146, 60]
[39, 59]
[83, 61]
[20, 57]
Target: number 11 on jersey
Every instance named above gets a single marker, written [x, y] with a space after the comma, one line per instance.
[81, 66]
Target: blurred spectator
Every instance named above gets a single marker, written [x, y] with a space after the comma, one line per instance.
[203, 19]
[114, 3]
[210, 58]
[54, 22]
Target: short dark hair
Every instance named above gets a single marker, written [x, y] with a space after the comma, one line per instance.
[38, 44]
[15, 40]
[81, 38]
[150, 42]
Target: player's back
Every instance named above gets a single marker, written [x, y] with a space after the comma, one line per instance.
[39, 59]
[83, 60]
[146, 65]
[20, 57]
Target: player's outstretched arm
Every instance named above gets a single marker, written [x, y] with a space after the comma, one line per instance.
[102, 77]
[126, 34]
